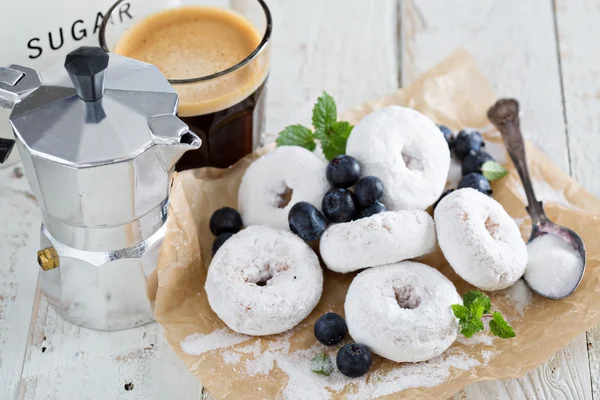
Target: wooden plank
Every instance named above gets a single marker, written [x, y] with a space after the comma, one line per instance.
[64, 361]
[564, 376]
[347, 48]
[20, 219]
[514, 43]
[577, 25]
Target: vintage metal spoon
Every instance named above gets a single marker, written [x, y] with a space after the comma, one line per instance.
[505, 116]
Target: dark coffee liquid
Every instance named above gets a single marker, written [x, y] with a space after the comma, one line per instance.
[227, 135]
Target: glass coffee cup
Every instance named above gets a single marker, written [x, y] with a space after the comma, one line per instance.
[216, 58]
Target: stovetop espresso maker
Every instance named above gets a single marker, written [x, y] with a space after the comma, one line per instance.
[99, 139]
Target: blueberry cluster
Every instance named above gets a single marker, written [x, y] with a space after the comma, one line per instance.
[339, 204]
[224, 223]
[353, 359]
[468, 147]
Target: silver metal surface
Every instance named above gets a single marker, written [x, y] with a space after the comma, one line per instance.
[102, 290]
[101, 172]
[10, 76]
[16, 82]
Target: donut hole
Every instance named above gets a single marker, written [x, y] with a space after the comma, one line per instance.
[492, 226]
[263, 282]
[406, 297]
[284, 196]
[260, 276]
[412, 159]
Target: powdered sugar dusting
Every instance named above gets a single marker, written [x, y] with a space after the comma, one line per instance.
[519, 295]
[231, 357]
[480, 338]
[196, 344]
[487, 355]
[303, 384]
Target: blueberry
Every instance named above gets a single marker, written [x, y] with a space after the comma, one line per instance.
[475, 181]
[343, 171]
[222, 238]
[225, 219]
[306, 221]
[338, 205]
[330, 329]
[448, 135]
[467, 141]
[354, 360]
[473, 162]
[446, 193]
[372, 210]
[368, 191]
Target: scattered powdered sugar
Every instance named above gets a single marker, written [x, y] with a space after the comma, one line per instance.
[303, 384]
[487, 355]
[196, 344]
[519, 295]
[554, 266]
[480, 338]
[230, 357]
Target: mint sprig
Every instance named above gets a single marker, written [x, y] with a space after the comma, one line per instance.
[296, 135]
[476, 305]
[324, 113]
[321, 364]
[500, 327]
[332, 134]
[493, 170]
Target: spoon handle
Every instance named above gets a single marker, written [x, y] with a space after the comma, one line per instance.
[505, 116]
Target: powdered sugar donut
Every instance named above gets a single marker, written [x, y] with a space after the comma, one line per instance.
[264, 281]
[276, 181]
[480, 240]
[377, 240]
[407, 151]
[402, 311]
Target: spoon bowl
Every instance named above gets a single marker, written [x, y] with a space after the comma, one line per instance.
[570, 237]
[505, 116]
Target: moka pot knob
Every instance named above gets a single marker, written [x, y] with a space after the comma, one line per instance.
[87, 69]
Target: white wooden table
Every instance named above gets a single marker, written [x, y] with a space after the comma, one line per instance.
[543, 52]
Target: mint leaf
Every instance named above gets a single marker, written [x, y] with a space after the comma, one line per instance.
[461, 312]
[324, 112]
[477, 305]
[296, 135]
[471, 327]
[321, 364]
[334, 139]
[493, 170]
[500, 327]
[471, 296]
[341, 130]
[481, 305]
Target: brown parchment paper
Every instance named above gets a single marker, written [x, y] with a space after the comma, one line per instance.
[454, 93]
